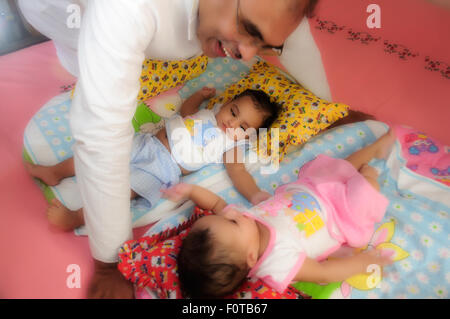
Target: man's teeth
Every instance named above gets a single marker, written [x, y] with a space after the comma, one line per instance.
[227, 53]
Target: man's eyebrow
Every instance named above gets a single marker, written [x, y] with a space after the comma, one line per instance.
[253, 30]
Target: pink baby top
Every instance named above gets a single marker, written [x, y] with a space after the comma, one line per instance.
[329, 205]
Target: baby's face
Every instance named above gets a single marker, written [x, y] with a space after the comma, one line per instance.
[236, 232]
[237, 116]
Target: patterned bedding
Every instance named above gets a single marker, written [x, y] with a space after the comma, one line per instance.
[416, 225]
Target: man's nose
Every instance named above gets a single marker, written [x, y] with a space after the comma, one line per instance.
[246, 51]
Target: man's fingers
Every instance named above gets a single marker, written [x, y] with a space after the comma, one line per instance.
[93, 291]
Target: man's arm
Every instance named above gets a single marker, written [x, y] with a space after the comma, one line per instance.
[103, 106]
[113, 37]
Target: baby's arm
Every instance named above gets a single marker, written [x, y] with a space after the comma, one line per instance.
[242, 179]
[200, 196]
[192, 103]
[340, 269]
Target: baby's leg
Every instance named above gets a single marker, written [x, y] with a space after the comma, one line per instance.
[52, 175]
[379, 149]
[64, 218]
[371, 175]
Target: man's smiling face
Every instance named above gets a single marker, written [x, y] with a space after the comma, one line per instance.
[242, 28]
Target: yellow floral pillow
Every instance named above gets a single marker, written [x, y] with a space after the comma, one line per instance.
[159, 76]
[302, 116]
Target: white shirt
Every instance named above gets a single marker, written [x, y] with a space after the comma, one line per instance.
[107, 54]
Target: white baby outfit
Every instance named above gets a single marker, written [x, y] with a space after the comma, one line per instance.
[195, 141]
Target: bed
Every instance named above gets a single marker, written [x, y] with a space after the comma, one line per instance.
[407, 73]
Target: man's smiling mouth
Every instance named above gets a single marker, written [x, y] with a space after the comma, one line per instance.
[224, 50]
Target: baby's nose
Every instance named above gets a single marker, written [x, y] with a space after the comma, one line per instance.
[234, 123]
[231, 213]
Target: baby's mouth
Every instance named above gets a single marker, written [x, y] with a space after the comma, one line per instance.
[224, 127]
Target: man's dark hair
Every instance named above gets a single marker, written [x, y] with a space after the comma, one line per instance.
[309, 9]
[263, 103]
[352, 117]
[203, 276]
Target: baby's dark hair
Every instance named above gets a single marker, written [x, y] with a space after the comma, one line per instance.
[262, 103]
[204, 271]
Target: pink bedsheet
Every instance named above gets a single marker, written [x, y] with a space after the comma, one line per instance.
[35, 256]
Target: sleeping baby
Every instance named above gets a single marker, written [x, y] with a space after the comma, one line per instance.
[188, 142]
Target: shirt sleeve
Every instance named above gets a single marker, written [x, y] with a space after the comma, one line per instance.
[113, 39]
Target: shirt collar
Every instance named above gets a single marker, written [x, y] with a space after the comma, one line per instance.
[192, 9]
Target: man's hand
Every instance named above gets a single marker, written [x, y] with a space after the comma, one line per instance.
[109, 283]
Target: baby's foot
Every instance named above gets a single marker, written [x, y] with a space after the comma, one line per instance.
[44, 173]
[60, 216]
[385, 143]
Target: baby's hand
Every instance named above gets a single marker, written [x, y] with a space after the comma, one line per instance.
[178, 192]
[207, 92]
[259, 197]
[374, 257]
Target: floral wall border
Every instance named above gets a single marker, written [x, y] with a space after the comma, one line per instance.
[67, 88]
[402, 52]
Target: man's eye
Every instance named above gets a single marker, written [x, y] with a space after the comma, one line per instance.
[232, 113]
[233, 221]
[242, 128]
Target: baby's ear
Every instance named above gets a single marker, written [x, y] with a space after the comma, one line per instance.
[252, 258]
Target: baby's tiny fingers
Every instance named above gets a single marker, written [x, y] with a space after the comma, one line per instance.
[387, 253]
[165, 193]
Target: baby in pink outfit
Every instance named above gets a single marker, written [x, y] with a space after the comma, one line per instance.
[287, 237]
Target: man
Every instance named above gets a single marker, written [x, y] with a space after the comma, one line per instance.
[106, 53]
